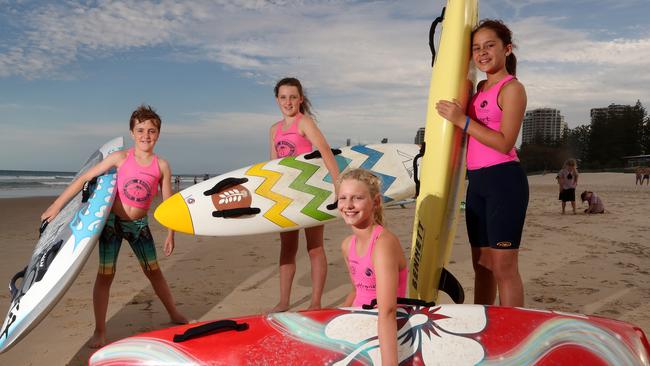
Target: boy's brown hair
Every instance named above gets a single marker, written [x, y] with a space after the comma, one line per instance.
[143, 113]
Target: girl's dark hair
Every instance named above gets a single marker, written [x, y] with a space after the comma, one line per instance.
[505, 34]
[305, 107]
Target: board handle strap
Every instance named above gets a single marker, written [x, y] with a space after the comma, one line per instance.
[13, 289]
[402, 301]
[41, 228]
[416, 174]
[224, 184]
[317, 155]
[210, 328]
[432, 33]
[236, 212]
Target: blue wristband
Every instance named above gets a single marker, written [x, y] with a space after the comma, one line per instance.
[466, 124]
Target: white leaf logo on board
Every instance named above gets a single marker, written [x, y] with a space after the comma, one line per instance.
[232, 195]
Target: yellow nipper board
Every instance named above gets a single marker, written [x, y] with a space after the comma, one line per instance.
[442, 169]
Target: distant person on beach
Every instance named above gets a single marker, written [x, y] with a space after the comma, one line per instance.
[642, 174]
[497, 193]
[206, 177]
[567, 180]
[296, 134]
[139, 174]
[373, 254]
[177, 182]
[196, 180]
[596, 205]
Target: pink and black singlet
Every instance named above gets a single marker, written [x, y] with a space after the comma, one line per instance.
[362, 271]
[290, 142]
[136, 184]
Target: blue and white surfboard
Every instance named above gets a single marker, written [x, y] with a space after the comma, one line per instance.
[61, 251]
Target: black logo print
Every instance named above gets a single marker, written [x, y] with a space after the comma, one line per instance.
[137, 190]
[484, 103]
[285, 148]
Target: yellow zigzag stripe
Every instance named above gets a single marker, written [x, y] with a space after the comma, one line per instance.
[274, 214]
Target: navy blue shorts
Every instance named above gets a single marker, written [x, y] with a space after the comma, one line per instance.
[495, 206]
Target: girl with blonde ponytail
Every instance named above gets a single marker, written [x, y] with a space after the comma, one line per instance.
[373, 255]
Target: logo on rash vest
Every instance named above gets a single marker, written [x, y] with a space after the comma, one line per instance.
[285, 148]
[504, 244]
[137, 190]
[484, 103]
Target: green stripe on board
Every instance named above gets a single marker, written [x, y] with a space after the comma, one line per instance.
[300, 184]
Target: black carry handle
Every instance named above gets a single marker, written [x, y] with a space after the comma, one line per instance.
[85, 191]
[235, 212]
[402, 301]
[432, 33]
[46, 259]
[416, 177]
[333, 206]
[317, 155]
[210, 328]
[13, 289]
[41, 228]
[224, 184]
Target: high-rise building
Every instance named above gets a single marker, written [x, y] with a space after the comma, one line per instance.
[543, 124]
[419, 136]
[611, 110]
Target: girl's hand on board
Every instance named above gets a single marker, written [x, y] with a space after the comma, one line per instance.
[452, 111]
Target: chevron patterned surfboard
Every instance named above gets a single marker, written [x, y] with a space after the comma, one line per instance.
[283, 194]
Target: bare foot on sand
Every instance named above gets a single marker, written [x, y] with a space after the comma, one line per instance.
[98, 340]
[178, 318]
[279, 308]
[314, 307]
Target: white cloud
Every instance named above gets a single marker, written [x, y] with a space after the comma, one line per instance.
[366, 62]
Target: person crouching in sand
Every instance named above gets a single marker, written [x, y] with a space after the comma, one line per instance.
[595, 203]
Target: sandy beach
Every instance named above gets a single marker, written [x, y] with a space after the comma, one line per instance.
[592, 264]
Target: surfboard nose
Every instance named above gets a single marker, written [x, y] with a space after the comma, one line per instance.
[173, 213]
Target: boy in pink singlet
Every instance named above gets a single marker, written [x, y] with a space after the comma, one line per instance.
[497, 193]
[373, 254]
[140, 172]
[296, 134]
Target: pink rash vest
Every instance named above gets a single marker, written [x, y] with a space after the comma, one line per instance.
[362, 271]
[485, 109]
[290, 142]
[136, 184]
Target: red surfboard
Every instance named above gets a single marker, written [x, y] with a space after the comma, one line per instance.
[438, 335]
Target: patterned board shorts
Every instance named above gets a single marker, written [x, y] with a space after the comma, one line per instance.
[137, 233]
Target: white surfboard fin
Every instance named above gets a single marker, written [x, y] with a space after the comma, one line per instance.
[451, 286]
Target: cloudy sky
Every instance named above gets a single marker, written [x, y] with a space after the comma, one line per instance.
[71, 72]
